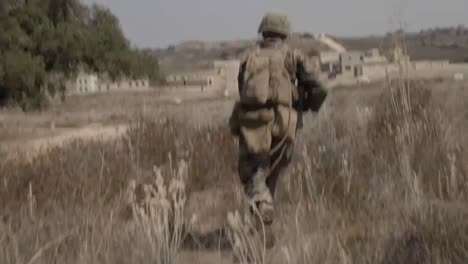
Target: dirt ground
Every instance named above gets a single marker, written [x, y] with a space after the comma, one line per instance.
[103, 117]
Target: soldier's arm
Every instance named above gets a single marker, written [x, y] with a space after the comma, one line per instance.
[307, 74]
[314, 89]
[233, 119]
[240, 76]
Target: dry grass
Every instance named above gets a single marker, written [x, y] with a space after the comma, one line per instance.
[105, 110]
[81, 190]
[383, 187]
[382, 179]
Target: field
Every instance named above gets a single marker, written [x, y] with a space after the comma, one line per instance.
[379, 176]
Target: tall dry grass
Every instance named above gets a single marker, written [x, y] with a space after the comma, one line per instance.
[387, 185]
[382, 179]
[71, 204]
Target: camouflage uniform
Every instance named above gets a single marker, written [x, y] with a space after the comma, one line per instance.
[259, 169]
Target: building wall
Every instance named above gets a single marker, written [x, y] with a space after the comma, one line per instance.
[430, 64]
[122, 85]
[91, 83]
[228, 72]
[222, 77]
[373, 56]
[205, 78]
[352, 63]
[86, 83]
[329, 57]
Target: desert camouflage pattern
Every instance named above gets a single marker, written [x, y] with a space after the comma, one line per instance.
[275, 23]
[261, 128]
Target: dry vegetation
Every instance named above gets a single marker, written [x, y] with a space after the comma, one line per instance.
[380, 176]
[101, 110]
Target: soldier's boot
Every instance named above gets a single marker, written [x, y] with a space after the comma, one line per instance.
[267, 212]
[264, 225]
[270, 239]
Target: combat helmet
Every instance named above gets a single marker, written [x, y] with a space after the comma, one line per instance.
[275, 23]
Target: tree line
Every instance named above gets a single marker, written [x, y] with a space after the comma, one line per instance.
[44, 38]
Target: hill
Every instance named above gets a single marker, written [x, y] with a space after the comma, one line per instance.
[433, 44]
[192, 55]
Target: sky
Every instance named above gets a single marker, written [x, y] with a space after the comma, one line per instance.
[159, 23]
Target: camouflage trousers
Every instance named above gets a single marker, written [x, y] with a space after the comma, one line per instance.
[259, 170]
[260, 179]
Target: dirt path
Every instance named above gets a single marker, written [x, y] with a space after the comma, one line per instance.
[28, 149]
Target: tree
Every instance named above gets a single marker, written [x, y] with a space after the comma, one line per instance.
[147, 66]
[62, 10]
[13, 37]
[4, 7]
[106, 43]
[69, 53]
[3, 92]
[308, 35]
[44, 38]
[23, 79]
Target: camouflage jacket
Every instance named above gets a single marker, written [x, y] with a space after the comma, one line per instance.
[302, 73]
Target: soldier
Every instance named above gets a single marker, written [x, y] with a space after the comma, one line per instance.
[275, 87]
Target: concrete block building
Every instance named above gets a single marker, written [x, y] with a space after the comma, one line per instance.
[221, 76]
[347, 64]
[374, 57]
[330, 62]
[228, 71]
[205, 80]
[88, 83]
[351, 63]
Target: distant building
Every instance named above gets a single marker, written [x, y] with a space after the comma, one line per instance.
[222, 75]
[108, 85]
[228, 71]
[373, 56]
[199, 78]
[351, 63]
[330, 62]
[86, 83]
[346, 63]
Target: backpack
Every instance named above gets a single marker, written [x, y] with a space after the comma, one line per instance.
[266, 78]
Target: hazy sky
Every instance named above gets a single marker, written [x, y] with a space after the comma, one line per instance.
[158, 23]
